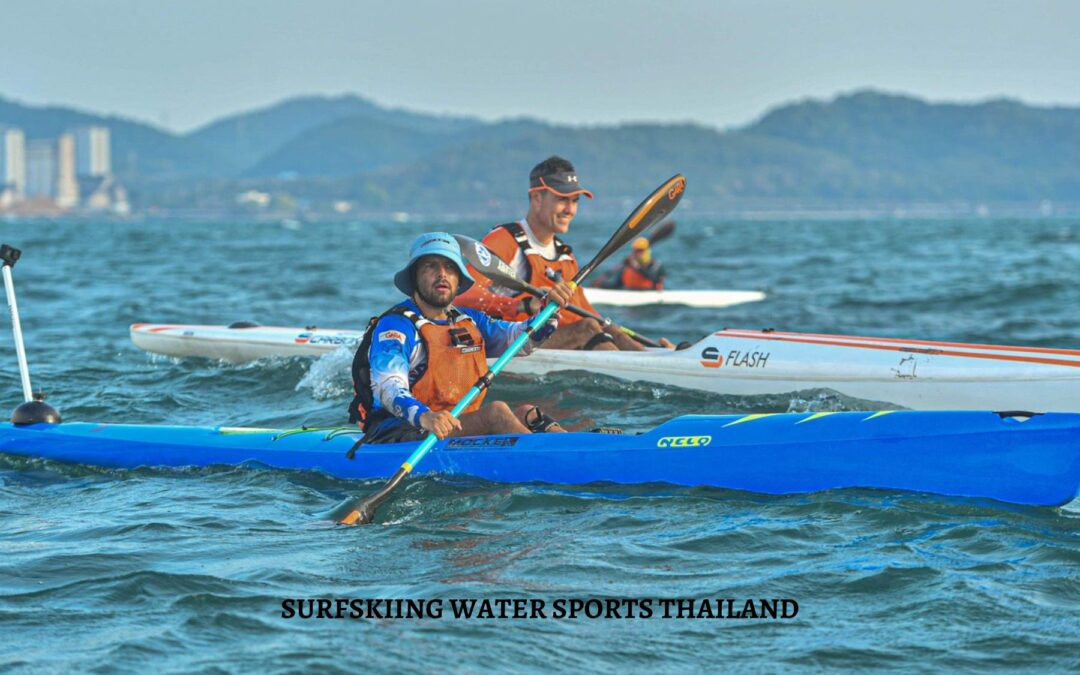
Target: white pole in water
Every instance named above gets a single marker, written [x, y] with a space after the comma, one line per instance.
[10, 255]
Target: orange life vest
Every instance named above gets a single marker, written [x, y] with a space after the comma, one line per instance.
[456, 359]
[544, 273]
[639, 279]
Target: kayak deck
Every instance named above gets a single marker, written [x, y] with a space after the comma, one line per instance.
[970, 454]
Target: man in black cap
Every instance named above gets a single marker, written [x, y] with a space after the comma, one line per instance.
[533, 247]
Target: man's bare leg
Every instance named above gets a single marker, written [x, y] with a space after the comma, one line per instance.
[623, 341]
[494, 418]
[576, 336]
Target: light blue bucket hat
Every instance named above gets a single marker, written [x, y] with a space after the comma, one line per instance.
[433, 243]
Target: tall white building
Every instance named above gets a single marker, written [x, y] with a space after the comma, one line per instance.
[93, 156]
[67, 187]
[40, 168]
[12, 163]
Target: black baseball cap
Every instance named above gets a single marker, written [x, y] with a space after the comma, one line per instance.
[557, 175]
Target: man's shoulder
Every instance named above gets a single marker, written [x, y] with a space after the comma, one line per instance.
[478, 316]
[499, 232]
[501, 242]
[393, 325]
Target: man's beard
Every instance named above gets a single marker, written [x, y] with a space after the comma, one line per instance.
[437, 303]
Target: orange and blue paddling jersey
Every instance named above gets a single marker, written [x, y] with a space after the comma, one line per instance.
[415, 364]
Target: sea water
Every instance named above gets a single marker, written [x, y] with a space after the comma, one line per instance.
[228, 568]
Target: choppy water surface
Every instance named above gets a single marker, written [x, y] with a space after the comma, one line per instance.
[188, 569]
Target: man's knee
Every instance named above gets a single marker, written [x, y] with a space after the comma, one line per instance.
[591, 335]
[499, 411]
[498, 407]
[601, 340]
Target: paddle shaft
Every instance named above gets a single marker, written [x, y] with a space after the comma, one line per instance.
[580, 311]
[494, 268]
[10, 256]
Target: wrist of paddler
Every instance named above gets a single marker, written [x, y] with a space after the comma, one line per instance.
[528, 306]
[561, 293]
[439, 422]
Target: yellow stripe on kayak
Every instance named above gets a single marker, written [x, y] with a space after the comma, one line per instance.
[749, 418]
[815, 416]
[236, 431]
[878, 414]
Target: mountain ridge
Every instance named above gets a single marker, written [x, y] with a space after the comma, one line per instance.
[857, 146]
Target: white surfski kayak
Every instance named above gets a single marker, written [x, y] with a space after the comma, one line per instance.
[241, 341]
[915, 374]
[712, 299]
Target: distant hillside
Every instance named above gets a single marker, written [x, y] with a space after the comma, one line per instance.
[859, 147]
[904, 148]
[617, 163]
[862, 147]
[347, 146]
[251, 139]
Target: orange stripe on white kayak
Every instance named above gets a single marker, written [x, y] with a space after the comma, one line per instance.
[795, 337]
[912, 350]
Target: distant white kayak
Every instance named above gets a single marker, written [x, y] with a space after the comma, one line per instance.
[713, 299]
[240, 342]
[916, 374]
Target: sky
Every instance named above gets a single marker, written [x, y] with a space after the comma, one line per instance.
[721, 63]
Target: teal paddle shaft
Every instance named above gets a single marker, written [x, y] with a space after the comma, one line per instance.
[539, 320]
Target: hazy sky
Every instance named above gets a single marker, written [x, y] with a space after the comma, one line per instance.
[183, 63]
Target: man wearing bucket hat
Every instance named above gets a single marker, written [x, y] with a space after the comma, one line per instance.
[419, 358]
[534, 248]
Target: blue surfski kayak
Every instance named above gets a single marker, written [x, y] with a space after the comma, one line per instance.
[1026, 460]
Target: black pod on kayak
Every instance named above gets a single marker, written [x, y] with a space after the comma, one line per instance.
[36, 411]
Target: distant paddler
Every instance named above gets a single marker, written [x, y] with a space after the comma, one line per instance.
[639, 271]
[420, 357]
[534, 248]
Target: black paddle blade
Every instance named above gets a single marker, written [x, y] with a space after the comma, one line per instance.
[661, 231]
[362, 511]
[655, 208]
[490, 265]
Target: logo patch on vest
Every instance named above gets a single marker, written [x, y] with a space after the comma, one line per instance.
[461, 337]
[483, 254]
[392, 335]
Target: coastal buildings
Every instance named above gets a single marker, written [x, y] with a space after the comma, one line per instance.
[66, 191]
[92, 152]
[12, 166]
[40, 168]
[56, 175]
